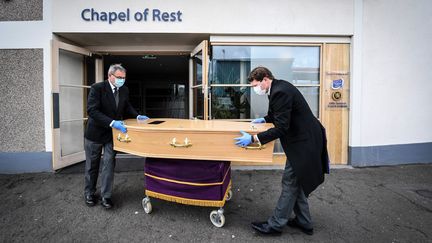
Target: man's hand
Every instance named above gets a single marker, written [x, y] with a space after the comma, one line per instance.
[259, 120]
[142, 117]
[244, 140]
[119, 125]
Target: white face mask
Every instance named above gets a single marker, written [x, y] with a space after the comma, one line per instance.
[257, 89]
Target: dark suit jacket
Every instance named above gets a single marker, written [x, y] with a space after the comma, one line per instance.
[301, 134]
[101, 110]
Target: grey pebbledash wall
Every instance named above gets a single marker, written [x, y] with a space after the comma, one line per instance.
[22, 133]
[22, 105]
[21, 10]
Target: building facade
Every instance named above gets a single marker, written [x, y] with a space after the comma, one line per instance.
[362, 66]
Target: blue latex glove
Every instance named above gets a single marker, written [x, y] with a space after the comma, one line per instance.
[244, 140]
[259, 120]
[142, 117]
[119, 125]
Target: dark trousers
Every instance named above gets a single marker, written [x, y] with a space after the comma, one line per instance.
[93, 153]
[292, 198]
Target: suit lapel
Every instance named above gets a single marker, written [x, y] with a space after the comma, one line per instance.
[272, 91]
[273, 87]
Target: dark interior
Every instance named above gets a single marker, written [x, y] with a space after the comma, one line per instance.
[158, 84]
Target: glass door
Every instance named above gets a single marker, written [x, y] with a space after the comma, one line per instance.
[198, 79]
[71, 83]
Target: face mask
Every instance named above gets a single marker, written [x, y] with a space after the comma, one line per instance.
[257, 89]
[119, 82]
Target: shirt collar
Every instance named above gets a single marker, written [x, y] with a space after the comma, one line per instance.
[112, 86]
[268, 92]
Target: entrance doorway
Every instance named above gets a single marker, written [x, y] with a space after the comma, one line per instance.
[158, 84]
[163, 84]
[187, 82]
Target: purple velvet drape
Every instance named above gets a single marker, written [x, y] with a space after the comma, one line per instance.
[182, 171]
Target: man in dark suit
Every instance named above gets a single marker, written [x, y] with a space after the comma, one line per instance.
[303, 140]
[107, 105]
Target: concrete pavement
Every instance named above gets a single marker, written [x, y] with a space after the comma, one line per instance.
[381, 204]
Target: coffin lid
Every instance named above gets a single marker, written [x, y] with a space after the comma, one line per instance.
[170, 124]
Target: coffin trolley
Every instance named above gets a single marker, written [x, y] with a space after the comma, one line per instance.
[188, 161]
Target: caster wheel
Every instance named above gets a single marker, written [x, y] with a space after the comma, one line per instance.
[217, 219]
[229, 195]
[147, 205]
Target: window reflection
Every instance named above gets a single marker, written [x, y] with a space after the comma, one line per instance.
[311, 94]
[299, 65]
[198, 105]
[230, 103]
[197, 59]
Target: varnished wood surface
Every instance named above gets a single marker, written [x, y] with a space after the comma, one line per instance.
[335, 120]
[277, 160]
[210, 140]
[171, 124]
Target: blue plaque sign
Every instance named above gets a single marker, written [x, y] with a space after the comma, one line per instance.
[337, 84]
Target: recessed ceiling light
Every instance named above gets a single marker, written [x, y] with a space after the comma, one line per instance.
[149, 57]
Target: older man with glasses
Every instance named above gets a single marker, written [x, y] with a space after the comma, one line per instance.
[107, 105]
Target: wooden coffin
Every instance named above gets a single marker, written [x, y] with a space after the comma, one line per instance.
[191, 139]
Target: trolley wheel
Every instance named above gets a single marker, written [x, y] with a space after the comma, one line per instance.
[147, 205]
[217, 218]
[229, 195]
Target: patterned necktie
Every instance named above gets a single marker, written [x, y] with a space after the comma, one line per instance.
[116, 96]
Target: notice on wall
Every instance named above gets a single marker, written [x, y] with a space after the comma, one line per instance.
[337, 94]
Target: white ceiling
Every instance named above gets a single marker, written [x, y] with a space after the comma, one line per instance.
[135, 42]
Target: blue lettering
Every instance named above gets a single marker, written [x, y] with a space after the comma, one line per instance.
[112, 17]
[178, 16]
[146, 12]
[165, 16]
[83, 14]
[93, 14]
[122, 16]
[156, 13]
[90, 14]
[138, 16]
[103, 16]
[173, 17]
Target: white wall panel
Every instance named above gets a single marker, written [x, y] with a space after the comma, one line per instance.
[312, 17]
[396, 80]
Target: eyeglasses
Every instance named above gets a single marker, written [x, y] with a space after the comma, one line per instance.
[118, 77]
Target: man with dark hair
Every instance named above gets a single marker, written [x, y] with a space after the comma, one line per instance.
[107, 105]
[304, 142]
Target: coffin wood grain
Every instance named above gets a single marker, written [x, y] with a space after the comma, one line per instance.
[211, 140]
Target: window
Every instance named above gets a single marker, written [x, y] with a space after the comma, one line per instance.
[231, 96]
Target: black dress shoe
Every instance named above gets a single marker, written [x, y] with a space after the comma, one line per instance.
[107, 203]
[265, 228]
[90, 200]
[295, 224]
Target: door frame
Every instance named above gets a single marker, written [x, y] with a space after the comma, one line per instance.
[202, 47]
[338, 132]
[59, 161]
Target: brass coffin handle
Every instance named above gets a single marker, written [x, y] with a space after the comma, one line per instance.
[255, 147]
[125, 139]
[186, 143]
